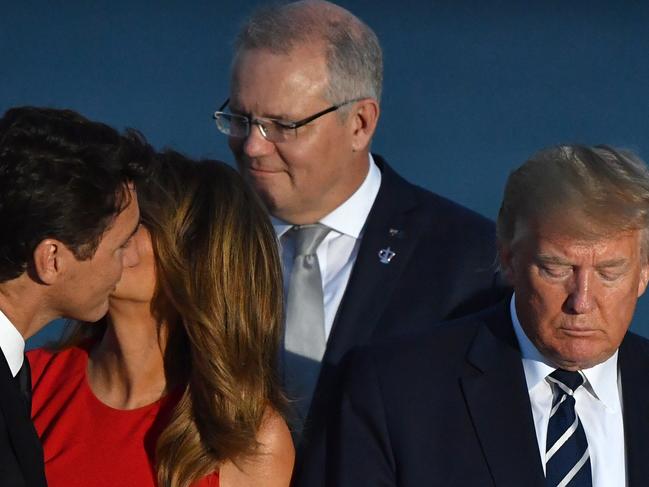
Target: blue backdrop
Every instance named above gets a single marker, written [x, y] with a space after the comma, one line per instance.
[471, 87]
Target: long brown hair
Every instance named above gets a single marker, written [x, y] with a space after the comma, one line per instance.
[218, 300]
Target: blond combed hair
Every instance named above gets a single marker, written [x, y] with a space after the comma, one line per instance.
[591, 191]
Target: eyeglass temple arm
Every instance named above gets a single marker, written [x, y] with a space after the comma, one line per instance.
[225, 104]
[304, 121]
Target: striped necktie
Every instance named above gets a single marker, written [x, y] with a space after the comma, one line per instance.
[567, 461]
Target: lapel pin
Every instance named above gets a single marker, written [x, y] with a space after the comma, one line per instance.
[395, 232]
[386, 255]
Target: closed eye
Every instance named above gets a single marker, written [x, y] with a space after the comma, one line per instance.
[610, 275]
[279, 124]
[555, 271]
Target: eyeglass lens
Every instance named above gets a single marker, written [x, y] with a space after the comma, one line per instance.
[239, 126]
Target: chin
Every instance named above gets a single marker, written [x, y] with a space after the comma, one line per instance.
[96, 314]
[577, 359]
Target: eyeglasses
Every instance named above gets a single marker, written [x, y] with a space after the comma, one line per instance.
[271, 129]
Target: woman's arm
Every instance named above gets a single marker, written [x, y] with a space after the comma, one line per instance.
[273, 466]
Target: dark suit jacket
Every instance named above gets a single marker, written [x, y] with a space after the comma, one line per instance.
[451, 408]
[443, 268]
[21, 455]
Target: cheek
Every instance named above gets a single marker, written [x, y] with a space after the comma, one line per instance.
[299, 172]
[114, 267]
[618, 307]
[314, 169]
[542, 303]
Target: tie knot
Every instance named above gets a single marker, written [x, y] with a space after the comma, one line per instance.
[567, 378]
[308, 237]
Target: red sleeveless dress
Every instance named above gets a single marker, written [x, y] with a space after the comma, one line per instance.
[85, 442]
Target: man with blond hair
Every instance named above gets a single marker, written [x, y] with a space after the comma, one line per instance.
[548, 388]
[364, 251]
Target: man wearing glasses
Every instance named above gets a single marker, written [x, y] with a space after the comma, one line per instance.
[364, 252]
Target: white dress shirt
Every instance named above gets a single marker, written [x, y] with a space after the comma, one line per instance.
[598, 404]
[337, 252]
[12, 344]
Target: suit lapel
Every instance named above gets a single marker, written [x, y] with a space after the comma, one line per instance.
[20, 428]
[634, 366]
[499, 405]
[372, 282]
[367, 293]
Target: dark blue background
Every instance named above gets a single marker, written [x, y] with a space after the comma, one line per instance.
[471, 87]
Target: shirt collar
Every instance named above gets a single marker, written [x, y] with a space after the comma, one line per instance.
[349, 218]
[12, 344]
[280, 226]
[601, 379]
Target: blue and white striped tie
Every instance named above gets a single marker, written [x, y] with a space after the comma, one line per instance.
[567, 461]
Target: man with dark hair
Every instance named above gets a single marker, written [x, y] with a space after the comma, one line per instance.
[68, 209]
[545, 389]
[364, 251]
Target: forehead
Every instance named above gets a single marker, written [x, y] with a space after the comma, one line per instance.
[560, 239]
[269, 81]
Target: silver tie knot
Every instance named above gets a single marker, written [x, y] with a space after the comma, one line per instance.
[308, 238]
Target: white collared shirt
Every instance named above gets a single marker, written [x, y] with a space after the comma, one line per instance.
[12, 344]
[338, 251]
[598, 405]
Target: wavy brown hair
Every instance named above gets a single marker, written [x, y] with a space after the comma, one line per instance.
[218, 303]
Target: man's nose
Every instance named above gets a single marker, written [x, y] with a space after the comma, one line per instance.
[581, 298]
[255, 144]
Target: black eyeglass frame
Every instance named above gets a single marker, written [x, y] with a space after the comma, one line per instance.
[284, 125]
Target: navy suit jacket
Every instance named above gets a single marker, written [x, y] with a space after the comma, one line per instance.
[443, 268]
[21, 454]
[451, 408]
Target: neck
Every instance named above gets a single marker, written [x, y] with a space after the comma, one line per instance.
[126, 369]
[25, 306]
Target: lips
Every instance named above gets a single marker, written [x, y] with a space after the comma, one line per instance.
[263, 170]
[578, 331]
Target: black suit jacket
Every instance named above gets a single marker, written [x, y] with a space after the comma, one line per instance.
[443, 268]
[21, 455]
[451, 408]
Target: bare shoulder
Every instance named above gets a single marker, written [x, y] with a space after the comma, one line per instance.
[273, 465]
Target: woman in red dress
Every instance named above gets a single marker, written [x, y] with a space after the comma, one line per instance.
[177, 385]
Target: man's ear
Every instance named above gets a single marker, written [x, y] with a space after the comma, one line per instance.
[644, 278]
[365, 116]
[505, 258]
[48, 260]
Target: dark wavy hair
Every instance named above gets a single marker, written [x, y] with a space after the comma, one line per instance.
[62, 176]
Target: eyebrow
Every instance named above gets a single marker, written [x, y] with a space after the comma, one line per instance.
[612, 263]
[279, 117]
[556, 260]
[552, 259]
